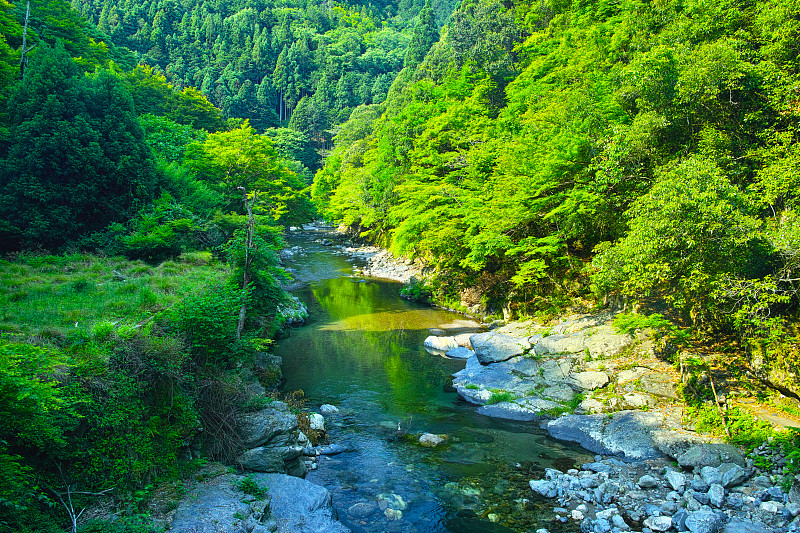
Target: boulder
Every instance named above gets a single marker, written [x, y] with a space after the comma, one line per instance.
[732, 474]
[605, 342]
[328, 409]
[661, 385]
[316, 422]
[283, 459]
[429, 440]
[440, 344]
[214, 505]
[460, 353]
[362, 510]
[272, 441]
[543, 487]
[710, 454]
[702, 522]
[493, 347]
[525, 409]
[737, 525]
[632, 374]
[658, 523]
[275, 423]
[590, 380]
[299, 506]
[716, 495]
[560, 344]
[560, 392]
[676, 480]
[626, 433]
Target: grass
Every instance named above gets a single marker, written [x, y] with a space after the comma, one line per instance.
[501, 396]
[74, 293]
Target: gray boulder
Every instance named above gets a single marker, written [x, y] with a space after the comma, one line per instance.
[215, 505]
[702, 522]
[281, 459]
[299, 506]
[658, 523]
[590, 380]
[272, 441]
[711, 454]
[737, 525]
[733, 474]
[460, 353]
[627, 433]
[561, 344]
[659, 384]
[276, 423]
[527, 409]
[493, 347]
[676, 480]
[543, 487]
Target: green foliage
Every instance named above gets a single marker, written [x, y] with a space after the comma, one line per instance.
[501, 396]
[78, 160]
[208, 320]
[416, 291]
[241, 159]
[250, 486]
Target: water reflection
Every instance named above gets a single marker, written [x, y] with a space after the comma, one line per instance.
[362, 352]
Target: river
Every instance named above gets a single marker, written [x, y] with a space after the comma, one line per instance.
[361, 351]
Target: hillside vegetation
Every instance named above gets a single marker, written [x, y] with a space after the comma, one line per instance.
[565, 155]
[140, 224]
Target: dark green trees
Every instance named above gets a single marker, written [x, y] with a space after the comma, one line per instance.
[425, 34]
[76, 159]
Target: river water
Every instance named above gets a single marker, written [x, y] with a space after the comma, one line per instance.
[361, 350]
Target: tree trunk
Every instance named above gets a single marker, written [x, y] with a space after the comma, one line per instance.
[248, 245]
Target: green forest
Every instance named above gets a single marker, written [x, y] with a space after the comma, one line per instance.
[567, 155]
[538, 157]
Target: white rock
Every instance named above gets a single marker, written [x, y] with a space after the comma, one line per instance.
[328, 409]
[317, 422]
[544, 488]
[658, 523]
[648, 482]
[716, 495]
[440, 344]
[676, 480]
[576, 515]
[429, 440]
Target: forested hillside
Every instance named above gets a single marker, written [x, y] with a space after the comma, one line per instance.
[140, 225]
[270, 62]
[555, 155]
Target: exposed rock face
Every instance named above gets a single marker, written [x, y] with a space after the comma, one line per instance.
[299, 506]
[272, 441]
[626, 433]
[493, 347]
[290, 505]
[711, 454]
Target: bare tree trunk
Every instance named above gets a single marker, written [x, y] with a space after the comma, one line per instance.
[247, 258]
[23, 56]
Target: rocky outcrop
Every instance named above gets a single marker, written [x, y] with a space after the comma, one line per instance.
[542, 370]
[288, 505]
[380, 263]
[273, 442]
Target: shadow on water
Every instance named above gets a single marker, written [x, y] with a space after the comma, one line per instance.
[361, 351]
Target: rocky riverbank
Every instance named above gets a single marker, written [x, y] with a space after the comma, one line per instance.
[613, 394]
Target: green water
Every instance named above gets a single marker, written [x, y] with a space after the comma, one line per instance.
[362, 351]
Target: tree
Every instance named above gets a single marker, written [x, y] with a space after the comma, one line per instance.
[426, 33]
[240, 158]
[77, 160]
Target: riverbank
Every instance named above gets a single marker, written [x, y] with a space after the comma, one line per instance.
[619, 395]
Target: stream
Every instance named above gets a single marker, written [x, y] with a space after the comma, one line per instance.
[361, 350]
